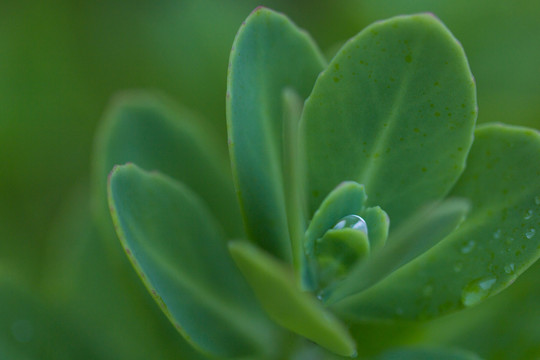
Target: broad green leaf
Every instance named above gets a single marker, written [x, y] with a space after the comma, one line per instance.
[428, 354]
[424, 230]
[269, 54]
[493, 246]
[299, 312]
[151, 131]
[179, 252]
[511, 318]
[394, 111]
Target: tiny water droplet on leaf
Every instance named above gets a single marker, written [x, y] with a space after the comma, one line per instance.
[477, 290]
[509, 269]
[468, 247]
[353, 222]
[530, 234]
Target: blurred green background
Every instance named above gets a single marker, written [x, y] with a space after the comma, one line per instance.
[61, 61]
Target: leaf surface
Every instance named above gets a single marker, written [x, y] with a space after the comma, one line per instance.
[424, 230]
[395, 111]
[299, 312]
[491, 248]
[269, 54]
[179, 252]
[151, 131]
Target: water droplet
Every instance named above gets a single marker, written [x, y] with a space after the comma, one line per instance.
[468, 247]
[477, 290]
[354, 222]
[537, 200]
[509, 268]
[497, 234]
[528, 215]
[509, 240]
[458, 267]
[22, 330]
[530, 234]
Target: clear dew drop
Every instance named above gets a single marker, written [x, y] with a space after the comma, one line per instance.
[468, 247]
[509, 268]
[530, 234]
[353, 222]
[497, 234]
[537, 200]
[458, 267]
[529, 214]
[477, 290]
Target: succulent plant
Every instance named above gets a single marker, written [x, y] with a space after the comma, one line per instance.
[362, 198]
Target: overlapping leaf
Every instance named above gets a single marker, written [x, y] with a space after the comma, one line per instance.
[177, 247]
[269, 54]
[494, 245]
[394, 111]
[151, 131]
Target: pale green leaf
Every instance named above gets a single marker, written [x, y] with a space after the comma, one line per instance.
[178, 249]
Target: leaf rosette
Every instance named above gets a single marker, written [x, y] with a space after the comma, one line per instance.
[362, 194]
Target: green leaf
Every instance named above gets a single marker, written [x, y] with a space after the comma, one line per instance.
[424, 230]
[299, 312]
[269, 54]
[394, 111]
[428, 354]
[294, 181]
[496, 243]
[106, 300]
[378, 224]
[178, 250]
[151, 131]
[347, 198]
[511, 317]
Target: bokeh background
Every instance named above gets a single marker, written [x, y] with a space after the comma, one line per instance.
[61, 61]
